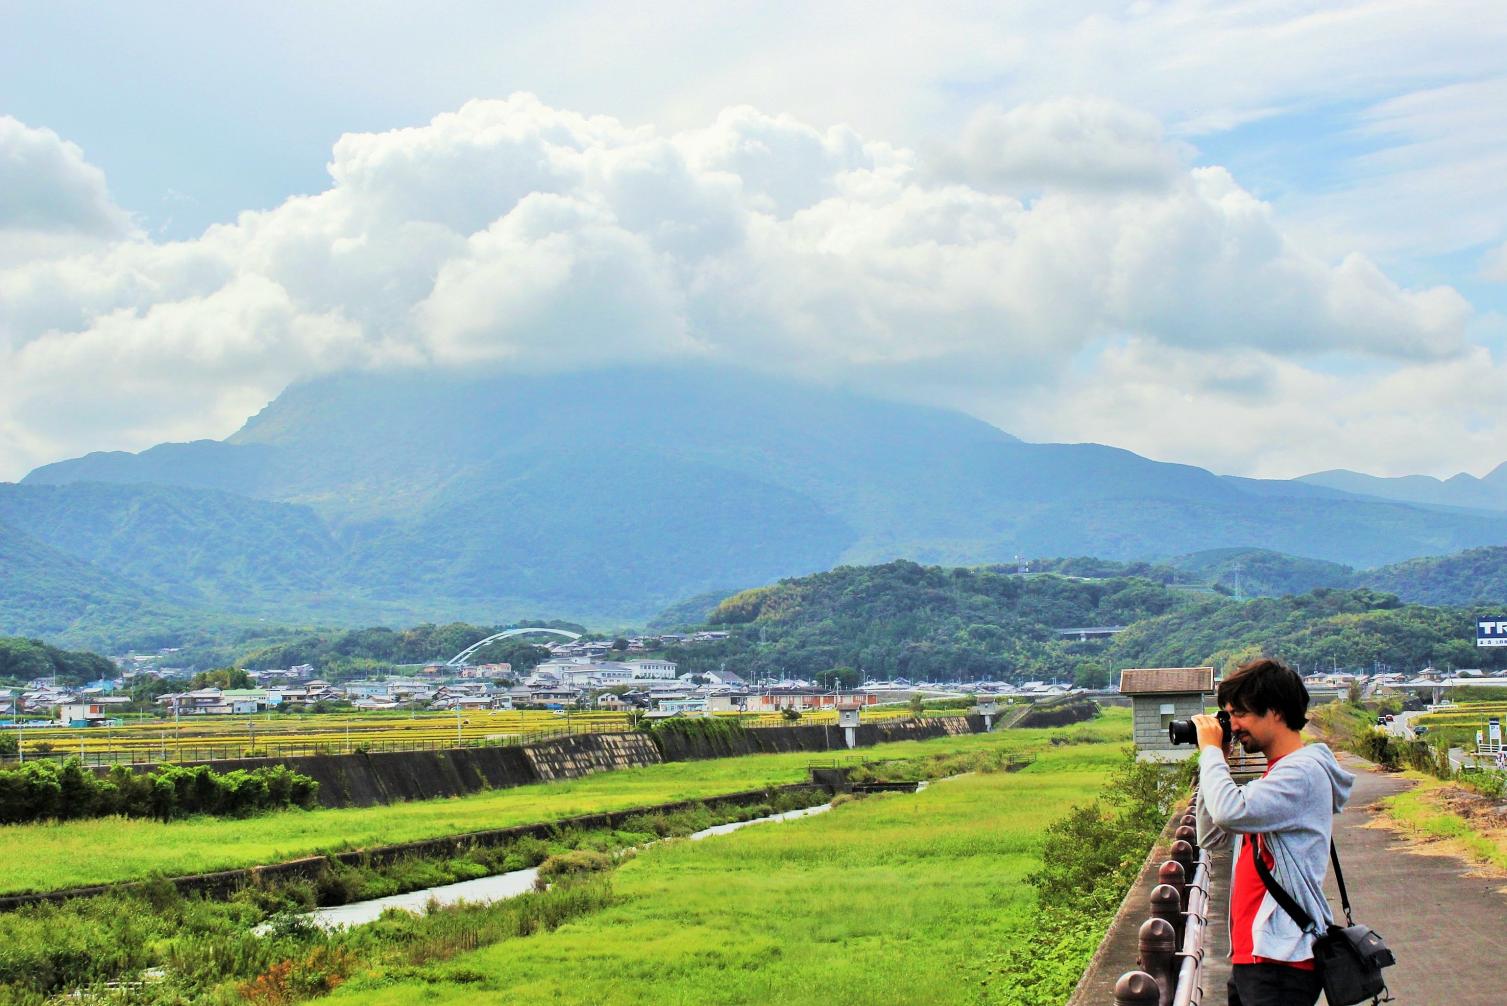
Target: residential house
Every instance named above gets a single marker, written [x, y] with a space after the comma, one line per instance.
[92, 712]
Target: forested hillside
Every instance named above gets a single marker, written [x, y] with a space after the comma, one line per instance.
[1326, 628]
[921, 622]
[1475, 576]
[22, 660]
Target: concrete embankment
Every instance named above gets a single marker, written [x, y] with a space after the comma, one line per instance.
[369, 779]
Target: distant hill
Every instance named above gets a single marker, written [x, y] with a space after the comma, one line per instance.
[1358, 628]
[1475, 576]
[1486, 493]
[47, 592]
[1255, 572]
[191, 546]
[606, 496]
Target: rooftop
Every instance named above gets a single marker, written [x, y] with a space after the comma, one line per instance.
[1164, 680]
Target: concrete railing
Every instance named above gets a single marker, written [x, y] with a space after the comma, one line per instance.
[1172, 941]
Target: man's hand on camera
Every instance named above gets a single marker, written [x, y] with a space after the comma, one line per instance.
[1210, 733]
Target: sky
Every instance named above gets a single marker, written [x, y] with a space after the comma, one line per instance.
[1265, 238]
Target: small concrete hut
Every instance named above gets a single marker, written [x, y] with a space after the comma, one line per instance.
[1159, 695]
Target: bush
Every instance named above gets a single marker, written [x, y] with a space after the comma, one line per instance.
[43, 791]
[576, 863]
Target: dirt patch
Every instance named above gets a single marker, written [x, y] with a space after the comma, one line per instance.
[1486, 816]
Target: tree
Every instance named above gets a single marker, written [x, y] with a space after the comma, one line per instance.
[845, 677]
[222, 677]
[1356, 692]
[790, 714]
[916, 705]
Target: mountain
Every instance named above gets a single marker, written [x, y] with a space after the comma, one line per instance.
[1486, 493]
[47, 592]
[605, 496]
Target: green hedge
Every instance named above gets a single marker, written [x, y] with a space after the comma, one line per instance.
[45, 791]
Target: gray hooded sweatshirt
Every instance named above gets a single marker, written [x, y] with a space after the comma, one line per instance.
[1293, 806]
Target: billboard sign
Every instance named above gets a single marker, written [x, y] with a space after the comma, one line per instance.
[1491, 631]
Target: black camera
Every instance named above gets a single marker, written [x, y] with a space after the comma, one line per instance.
[1184, 732]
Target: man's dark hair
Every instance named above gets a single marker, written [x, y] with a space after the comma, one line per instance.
[1266, 684]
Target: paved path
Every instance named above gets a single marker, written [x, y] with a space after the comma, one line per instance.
[1447, 927]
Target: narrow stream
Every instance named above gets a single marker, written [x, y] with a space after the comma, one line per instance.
[487, 889]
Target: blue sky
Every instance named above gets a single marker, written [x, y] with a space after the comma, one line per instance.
[1111, 222]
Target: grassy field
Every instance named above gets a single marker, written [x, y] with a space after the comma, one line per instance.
[893, 899]
[52, 856]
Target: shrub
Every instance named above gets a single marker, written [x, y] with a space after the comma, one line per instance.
[41, 791]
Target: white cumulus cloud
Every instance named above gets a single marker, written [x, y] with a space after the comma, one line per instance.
[51, 199]
[512, 233]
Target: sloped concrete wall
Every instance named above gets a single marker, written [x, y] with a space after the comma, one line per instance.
[366, 779]
[763, 740]
[574, 757]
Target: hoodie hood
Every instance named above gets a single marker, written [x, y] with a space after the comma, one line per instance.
[1340, 781]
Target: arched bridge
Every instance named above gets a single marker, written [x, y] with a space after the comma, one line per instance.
[459, 660]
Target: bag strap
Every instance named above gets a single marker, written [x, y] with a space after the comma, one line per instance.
[1339, 878]
[1291, 907]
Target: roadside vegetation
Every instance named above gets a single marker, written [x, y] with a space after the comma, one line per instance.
[1090, 858]
[59, 855]
[1463, 811]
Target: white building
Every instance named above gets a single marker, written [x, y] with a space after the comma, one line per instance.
[643, 669]
[93, 712]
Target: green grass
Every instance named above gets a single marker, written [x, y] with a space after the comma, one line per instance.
[892, 899]
[43, 857]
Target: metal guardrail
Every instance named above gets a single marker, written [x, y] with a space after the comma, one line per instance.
[1179, 907]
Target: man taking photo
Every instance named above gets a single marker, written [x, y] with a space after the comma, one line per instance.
[1286, 815]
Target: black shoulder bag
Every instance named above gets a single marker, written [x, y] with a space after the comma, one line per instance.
[1349, 958]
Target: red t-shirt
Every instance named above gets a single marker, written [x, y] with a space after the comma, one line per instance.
[1246, 894]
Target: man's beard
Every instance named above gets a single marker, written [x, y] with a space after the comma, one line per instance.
[1248, 744]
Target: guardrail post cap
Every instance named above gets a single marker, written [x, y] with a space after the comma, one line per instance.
[1136, 988]
[1172, 872]
[1187, 834]
[1157, 936]
[1190, 820]
[1165, 901]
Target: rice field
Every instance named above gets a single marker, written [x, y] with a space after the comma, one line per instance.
[281, 735]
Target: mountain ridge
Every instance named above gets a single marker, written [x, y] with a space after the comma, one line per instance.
[617, 492]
